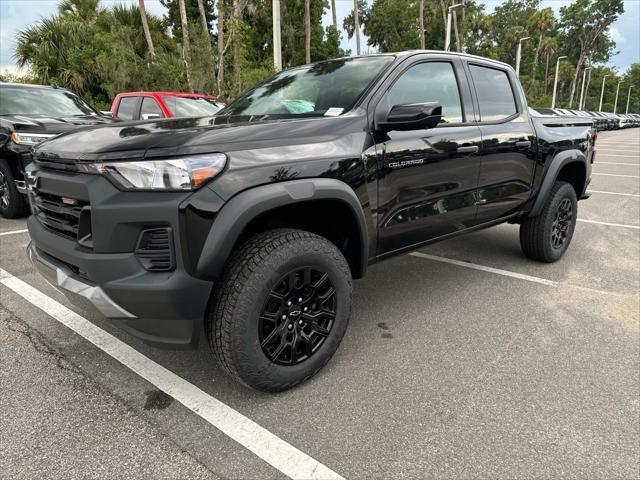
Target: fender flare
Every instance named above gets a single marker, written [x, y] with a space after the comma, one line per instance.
[560, 160]
[241, 209]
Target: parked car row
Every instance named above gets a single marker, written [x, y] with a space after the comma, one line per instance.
[601, 120]
[30, 114]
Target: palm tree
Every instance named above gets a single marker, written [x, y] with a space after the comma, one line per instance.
[145, 27]
[186, 47]
[421, 23]
[86, 10]
[542, 21]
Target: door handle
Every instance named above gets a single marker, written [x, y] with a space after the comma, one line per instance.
[523, 143]
[469, 149]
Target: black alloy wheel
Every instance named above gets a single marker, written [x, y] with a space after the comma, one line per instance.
[5, 194]
[297, 316]
[561, 223]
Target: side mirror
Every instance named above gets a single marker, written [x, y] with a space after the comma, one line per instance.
[106, 113]
[150, 116]
[412, 116]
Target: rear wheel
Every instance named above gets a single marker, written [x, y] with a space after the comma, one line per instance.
[281, 309]
[13, 204]
[547, 236]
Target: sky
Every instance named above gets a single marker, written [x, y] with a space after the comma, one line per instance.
[17, 14]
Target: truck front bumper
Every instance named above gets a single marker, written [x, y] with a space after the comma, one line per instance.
[163, 309]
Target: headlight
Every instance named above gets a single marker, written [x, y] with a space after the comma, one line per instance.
[184, 173]
[30, 138]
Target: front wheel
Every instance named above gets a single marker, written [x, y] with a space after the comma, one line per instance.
[281, 309]
[12, 203]
[547, 236]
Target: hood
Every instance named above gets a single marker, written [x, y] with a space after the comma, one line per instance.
[185, 136]
[54, 125]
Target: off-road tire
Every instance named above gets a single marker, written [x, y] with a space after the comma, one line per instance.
[239, 298]
[536, 232]
[16, 203]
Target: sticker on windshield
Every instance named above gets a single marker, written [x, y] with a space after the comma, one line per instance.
[333, 112]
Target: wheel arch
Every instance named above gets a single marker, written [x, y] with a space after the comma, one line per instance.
[242, 213]
[569, 166]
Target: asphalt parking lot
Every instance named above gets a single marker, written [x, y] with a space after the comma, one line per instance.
[462, 360]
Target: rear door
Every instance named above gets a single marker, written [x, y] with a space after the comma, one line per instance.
[508, 153]
[427, 178]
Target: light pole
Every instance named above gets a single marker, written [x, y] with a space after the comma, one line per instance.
[555, 82]
[628, 98]
[277, 45]
[519, 54]
[602, 92]
[584, 79]
[615, 105]
[447, 38]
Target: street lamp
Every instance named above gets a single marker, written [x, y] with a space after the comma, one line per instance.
[615, 105]
[584, 79]
[519, 54]
[628, 98]
[277, 41]
[602, 92]
[555, 82]
[447, 38]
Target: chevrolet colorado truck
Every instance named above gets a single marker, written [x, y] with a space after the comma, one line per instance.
[250, 225]
[30, 114]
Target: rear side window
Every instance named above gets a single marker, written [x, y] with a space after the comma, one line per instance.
[126, 108]
[495, 95]
[429, 82]
[150, 109]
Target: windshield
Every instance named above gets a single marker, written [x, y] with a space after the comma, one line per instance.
[326, 88]
[42, 102]
[191, 106]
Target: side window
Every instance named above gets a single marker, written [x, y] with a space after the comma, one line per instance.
[495, 95]
[126, 108]
[150, 109]
[429, 82]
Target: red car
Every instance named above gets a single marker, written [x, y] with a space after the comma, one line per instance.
[148, 105]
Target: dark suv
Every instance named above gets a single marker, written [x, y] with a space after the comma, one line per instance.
[30, 114]
[253, 223]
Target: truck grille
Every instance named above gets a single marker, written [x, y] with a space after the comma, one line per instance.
[59, 213]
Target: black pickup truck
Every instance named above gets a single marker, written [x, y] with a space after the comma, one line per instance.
[30, 114]
[251, 225]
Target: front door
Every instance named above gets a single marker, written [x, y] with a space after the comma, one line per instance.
[427, 178]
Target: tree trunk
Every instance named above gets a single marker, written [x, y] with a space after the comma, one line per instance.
[356, 17]
[546, 74]
[334, 15]
[535, 63]
[145, 27]
[207, 34]
[457, 34]
[237, 10]
[575, 79]
[307, 31]
[422, 45]
[186, 47]
[221, 49]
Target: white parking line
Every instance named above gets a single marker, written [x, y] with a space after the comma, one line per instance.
[13, 232]
[484, 268]
[620, 163]
[604, 154]
[270, 448]
[615, 193]
[616, 175]
[635, 227]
